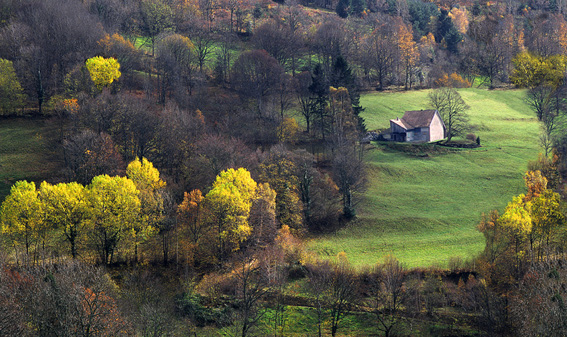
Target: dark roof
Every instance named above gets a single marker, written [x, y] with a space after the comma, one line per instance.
[418, 119]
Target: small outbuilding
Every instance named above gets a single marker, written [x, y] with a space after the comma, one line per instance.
[418, 126]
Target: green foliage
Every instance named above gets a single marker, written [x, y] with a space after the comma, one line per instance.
[420, 15]
[191, 305]
[12, 95]
[103, 71]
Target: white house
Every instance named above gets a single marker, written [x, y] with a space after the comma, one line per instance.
[418, 126]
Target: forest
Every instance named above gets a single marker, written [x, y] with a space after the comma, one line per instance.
[192, 147]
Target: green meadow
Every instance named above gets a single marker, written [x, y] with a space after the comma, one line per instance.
[26, 151]
[423, 202]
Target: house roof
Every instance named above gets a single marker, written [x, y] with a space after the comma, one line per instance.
[415, 119]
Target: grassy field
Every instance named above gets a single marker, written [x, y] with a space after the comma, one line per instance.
[424, 209]
[26, 151]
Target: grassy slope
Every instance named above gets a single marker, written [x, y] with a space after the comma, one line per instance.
[425, 210]
[25, 151]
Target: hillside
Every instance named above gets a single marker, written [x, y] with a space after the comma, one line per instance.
[27, 152]
[422, 204]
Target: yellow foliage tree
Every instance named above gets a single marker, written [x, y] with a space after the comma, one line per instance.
[407, 48]
[288, 130]
[460, 19]
[66, 209]
[532, 70]
[229, 202]
[103, 71]
[114, 212]
[148, 182]
[22, 215]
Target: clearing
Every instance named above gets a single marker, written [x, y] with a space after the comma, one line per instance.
[423, 202]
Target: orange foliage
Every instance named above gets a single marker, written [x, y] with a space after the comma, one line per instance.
[536, 184]
[460, 19]
[110, 44]
[452, 81]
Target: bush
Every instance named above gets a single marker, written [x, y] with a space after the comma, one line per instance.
[471, 137]
[451, 81]
[191, 305]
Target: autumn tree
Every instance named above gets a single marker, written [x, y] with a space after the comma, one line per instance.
[22, 216]
[406, 50]
[278, 39]
[252, 285]
[66, 209]
[11, 93]
[319, 278]
[115, 208]
[203, 40]
[343, 291]
[190, 219]
[103, 71]
[151, 187]
[69, 299]
[388, 294]
[538, 308]
[229, 202]
[255, 74]
[329, 42]
[88, 154]
[157, 17]
[279, 171]
[302, 83]
[531, 70]
[175, 56]
[262, 217]
[452, 108]
[549, 36]
[343, 76]
[382, 51]
[54, 36]
[123, 51]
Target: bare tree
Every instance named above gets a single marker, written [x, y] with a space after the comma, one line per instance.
[252, 286]
[255, 75]
[343, 291]
[319, 276]
[452, 108]
[388, 290]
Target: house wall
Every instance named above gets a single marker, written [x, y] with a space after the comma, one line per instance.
[418, 135]
[395, 128]
[437, 129]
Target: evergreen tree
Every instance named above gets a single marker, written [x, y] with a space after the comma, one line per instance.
[357, 7]
[342, 8]
[342, 77]
[452, 38]
[319, 90]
